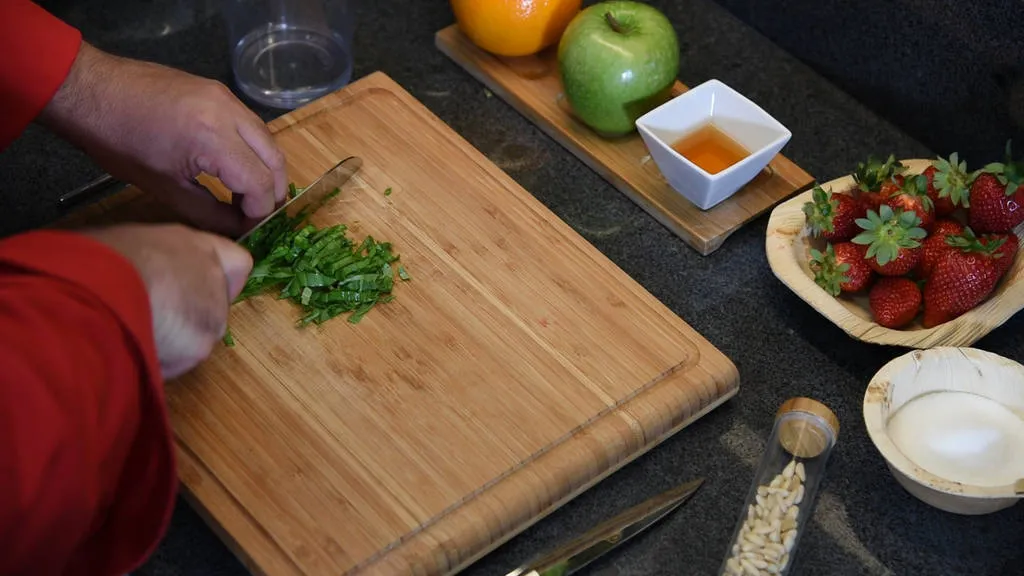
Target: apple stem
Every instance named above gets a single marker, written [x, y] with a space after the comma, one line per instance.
[613, 22]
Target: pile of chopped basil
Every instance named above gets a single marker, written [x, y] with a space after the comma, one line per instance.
[320, 269]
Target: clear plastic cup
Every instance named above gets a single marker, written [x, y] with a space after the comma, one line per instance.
[285, 53]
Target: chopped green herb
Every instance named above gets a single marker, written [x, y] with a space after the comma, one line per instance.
[229, 339]
[388, 191]
[319, 269]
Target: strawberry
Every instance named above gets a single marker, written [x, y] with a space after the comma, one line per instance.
[943, 205]
[935, 246]
[947, 227]
[895, 301]
[870, 200]
[893, 240]
[870, 175]
[996, 199]
[913, 195]
[891, 187]
[842, 268]
[1005, 251]
[947, 184]
[870, 178]
[960, 281]
[832, 216]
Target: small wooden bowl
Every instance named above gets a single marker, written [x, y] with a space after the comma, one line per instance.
[943, 369]
[788, 248]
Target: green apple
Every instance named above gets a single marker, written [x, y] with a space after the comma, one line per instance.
[618, 60]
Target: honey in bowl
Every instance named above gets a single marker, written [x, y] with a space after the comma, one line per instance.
[710, 148]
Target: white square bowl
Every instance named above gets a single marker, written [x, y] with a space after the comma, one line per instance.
[732, 113]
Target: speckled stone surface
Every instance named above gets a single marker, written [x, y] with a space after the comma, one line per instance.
[951, 73]
[864, 523]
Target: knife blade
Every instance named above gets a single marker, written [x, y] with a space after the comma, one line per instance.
[332, 179]
[577, 553]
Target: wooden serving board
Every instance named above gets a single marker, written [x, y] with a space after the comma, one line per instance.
[516, 368]
[533, 87]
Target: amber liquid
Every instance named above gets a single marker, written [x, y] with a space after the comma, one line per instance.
[710, 148]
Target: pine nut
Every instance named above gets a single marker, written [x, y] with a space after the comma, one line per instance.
[788, 539]
[768, 534]
[789, 470]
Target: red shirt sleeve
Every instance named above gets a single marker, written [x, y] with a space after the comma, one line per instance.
[87, 468]
[36, 53]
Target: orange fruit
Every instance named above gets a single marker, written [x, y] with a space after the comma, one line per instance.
[514, 27]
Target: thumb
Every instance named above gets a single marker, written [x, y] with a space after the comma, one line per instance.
[235, 261]
[202, 210]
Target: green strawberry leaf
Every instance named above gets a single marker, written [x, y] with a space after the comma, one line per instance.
[952, 180]
[864, 237]
[827, 273]
[820, 211]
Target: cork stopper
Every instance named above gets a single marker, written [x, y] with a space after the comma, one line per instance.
[807, 437]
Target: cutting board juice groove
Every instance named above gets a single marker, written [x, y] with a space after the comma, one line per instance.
[518, 367]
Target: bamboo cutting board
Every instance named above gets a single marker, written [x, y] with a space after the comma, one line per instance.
[531, 84]
[516, 368]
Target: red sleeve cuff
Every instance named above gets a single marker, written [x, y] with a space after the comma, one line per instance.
[147, 489]
[38, 50]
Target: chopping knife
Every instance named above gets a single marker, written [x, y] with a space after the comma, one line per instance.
[577, 553]
[315, 193]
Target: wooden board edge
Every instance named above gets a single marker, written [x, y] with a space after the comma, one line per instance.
[717, 242]
[198, 484]
[621, 428]
[618, 427]
[703, 244]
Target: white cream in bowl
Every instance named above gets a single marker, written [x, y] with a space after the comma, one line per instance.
[961, 437]
[950, 424]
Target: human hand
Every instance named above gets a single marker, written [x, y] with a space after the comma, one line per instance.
[191, 276]
[159, 128]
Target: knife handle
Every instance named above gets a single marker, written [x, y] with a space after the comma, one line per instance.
[87, 191]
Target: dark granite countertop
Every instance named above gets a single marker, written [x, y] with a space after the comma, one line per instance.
[864, 523]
